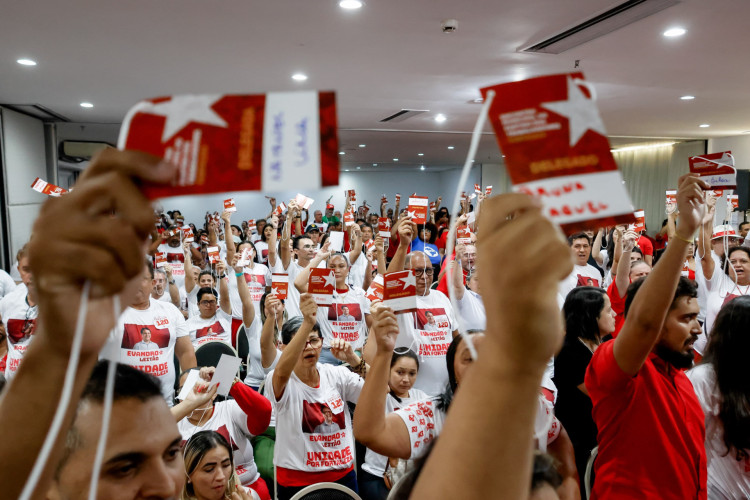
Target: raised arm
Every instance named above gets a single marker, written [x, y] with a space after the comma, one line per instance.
[524, 328]
[649, 308]
[291, 353]
[248, 309]
[407, 230]
[380, 254]
[355, 238]
[183, 347]
[622, 278]
[273, 245]
[707, 261]
[386, 435]
[174, 292]
[226, 218]
[596, 247]
[300, 282]
[225, 302]
[156, 240]
[274, 311]
[189, 278]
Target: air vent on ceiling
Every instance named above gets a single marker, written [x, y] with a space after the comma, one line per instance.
[599, 25]
[404, 114]
[37, 111]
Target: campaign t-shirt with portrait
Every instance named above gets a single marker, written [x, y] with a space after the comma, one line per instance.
[257, 278]
[313, 427]
[165, 324]
[19, 320]
[345, 318]
[428, 332]
[586, 275]
[375, 463]
[230, 421]
[176, 259]
[217, 327]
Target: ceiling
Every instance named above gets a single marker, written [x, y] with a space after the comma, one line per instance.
[388, 55]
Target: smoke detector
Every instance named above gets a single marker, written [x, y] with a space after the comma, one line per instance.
[449, 25]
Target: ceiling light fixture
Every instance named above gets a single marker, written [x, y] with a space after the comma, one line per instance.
[420, 154]
[450, 147]
[395, 159]
[674, 32]
[346, 170]
[440, 118]
[687, 97]
[646, 146]
[704, 125]
[374, 164]
[299, 77]
[362, 145]
[87, 105]
[359, 168]
[421, 168]
[341, 153]
[26, 62]
[350, 4]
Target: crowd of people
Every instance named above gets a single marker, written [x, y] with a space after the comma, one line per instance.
[609, 352]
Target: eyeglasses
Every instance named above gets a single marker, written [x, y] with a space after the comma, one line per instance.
[308, 247]
[314, 343]
[419, 272]
[207, 302]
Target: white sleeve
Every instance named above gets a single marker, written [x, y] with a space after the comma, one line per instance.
[350, 384]
[181, 329]
[7, 283]
[420, 423]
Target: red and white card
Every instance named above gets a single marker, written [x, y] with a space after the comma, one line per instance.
[160, 259]
[213, 255]
[45, 187]
[384, 227]
[418, 209]
[488, 190]
[187, 234]
[229, 205]
[716, 193]
[251, 225]
[280, 285]
[271, 142]
[400, 291]
[204, 239]
[352, 195]
[369, 244]
[398, 198]
[716, 169]
[477, 188]
[375, 292]
[322, 284]
[640, 221]
[463, 235]
[303, 201]
[433, 205]
[671, 197]
[348, 219]
[733, 201]
[555, 147]
[383, 199]
[246, 257]
[280, 209]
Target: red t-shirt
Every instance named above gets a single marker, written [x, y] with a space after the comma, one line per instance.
[651, 431]
[645, 245]
[443, 284]
[618, 306]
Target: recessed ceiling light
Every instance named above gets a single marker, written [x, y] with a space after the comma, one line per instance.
[358, 168]
[440, 118]
[341, 153]
[450, 147]
[395, 159]
[420, 154]
[300, 77]
[87, 105]
[350, 4]
[421, 168]
[673, 32]
[346, 170]
[26, 62]
[362, 145]
[704, 125]
[478, 100]
[374, 164]
[687, 97]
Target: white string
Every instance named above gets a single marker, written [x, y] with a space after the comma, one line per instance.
[475, 136]
[67, 390]
[109, 391]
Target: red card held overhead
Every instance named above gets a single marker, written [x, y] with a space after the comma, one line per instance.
[477, 189]
[213, 255]
[251, 225]
[463, 235]
[716, 169]
[271, 142]
[204, 239]
[671, 197]
[160, 259]
[640, 222]
[398, 198]
[375, 292]
[187, 234]
[280, 208]
[229, 205]
[733, 201]
[384, 227]
[280, 285]
[45, 187]
[322, 284]
[488, 190]
[418, 209]
[555, 147]
[400, 291]
[348, 219]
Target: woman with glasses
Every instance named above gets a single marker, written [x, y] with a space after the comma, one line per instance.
[214, 321]
[305, 394]
[403, 373]
[348, 317]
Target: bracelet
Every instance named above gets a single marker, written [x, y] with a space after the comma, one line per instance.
[239, 274]
[677, 235]
[361, 368]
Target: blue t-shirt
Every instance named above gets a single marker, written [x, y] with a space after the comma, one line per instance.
[428, 248]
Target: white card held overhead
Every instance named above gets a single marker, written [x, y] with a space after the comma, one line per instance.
[192, 378]
[337, 241]
[226, 370]
[246, 257]
[303, 201]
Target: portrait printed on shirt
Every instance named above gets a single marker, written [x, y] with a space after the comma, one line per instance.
[256, 283]
[319, 418]
[587, 281]
[20, 330]
[435, 331]
[145, 337]
[209, 331]
[346, 321]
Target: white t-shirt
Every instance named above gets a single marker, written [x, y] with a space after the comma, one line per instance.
[257, 278]
[20, 324]
[217, 327]
[727, 478]
[230, 421]
[375, 463]
[471, 311]
[7, 284]
[262, 248]
[345, 318]
[700, 280]
[586, 275]
[255, 371]
[429, 338]
[720, 290]
[176, 259]
[299, 412]
[166, 324]
[291, 304]
[357, 271]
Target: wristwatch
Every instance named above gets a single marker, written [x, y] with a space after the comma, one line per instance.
[171, 282]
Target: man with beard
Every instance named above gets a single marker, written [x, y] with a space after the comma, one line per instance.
[651, 425]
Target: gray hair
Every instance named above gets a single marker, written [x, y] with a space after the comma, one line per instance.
[407, 262]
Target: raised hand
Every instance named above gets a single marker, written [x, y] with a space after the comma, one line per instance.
[384, 328]
[690, 204]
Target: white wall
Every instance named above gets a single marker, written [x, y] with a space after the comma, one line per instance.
[739, 145]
